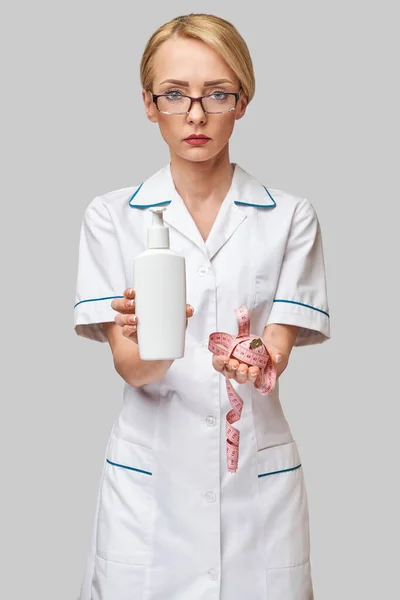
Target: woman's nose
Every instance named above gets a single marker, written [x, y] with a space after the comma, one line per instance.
[196, 113]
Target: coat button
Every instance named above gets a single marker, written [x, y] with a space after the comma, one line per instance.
[210, 421]
[205, 344]
[210, 496]
[212, 573]
[203, 271]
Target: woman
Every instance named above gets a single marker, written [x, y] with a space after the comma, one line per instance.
[171, 522]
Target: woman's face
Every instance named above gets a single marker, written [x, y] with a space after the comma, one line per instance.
[193, 65]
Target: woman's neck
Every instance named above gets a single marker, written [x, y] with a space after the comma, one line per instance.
[204, 183]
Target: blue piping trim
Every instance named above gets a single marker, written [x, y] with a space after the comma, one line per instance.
[130, 468]
[166, 202]
[134, 194]
[269, 194]
[258, 205]
[96, 299]
[283, 471]
[302, 304]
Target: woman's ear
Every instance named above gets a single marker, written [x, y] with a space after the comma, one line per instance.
[150, 107]
[241, 107]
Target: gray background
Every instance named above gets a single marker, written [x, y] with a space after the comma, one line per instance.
[323, 124]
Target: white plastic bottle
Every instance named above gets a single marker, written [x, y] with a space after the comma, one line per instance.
[159, 280]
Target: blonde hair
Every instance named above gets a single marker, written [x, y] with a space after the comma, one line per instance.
[218, 33]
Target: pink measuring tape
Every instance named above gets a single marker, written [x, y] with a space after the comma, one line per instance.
[248, 349]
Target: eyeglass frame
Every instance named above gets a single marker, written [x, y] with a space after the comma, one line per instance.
[199, 99]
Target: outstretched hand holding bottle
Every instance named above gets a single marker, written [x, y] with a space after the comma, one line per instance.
[125, 348]
[154, 315]
[126, 317]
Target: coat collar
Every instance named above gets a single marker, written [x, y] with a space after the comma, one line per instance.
[245, 193]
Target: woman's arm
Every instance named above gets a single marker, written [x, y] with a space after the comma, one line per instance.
[127, 361]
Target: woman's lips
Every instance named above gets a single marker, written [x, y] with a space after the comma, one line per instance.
[197, 141]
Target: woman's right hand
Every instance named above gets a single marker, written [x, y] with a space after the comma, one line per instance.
[126, 317]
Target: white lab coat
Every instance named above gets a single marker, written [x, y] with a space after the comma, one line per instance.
[171, 522]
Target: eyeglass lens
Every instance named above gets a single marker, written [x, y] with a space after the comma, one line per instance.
[215, 103]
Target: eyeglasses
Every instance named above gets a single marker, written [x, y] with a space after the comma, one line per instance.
[173, 103]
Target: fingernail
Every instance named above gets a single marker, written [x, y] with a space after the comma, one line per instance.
[132, 319]
[131, 302]
[131, 292]
[226, 361]
[192, 309]
[278, 358]
[253, 374]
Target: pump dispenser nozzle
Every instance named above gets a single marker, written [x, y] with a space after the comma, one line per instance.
[158, 233]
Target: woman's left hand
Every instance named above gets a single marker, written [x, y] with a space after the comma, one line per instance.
[241, 372]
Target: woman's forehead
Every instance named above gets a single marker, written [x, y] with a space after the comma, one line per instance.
[190, 61]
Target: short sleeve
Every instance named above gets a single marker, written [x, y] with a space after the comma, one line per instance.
[301, 294]
[100, 275]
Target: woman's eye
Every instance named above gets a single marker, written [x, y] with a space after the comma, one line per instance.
[173, 93]
[219, 95]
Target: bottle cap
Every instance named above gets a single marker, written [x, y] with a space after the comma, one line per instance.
[158, 233]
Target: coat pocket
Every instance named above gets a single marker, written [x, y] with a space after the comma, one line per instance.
[126, 504]
[284, 506]
[294, 583]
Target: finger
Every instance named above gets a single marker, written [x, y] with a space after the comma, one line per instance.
[219, 362]
[130, 332]
[233, 364]
[123, 305]
[276, 357]
[253, 373]
[275, 354]
[232, 367]
[241, 373]
[126, 320]
[189, 311]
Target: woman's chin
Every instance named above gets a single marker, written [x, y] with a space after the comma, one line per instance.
[200, 154]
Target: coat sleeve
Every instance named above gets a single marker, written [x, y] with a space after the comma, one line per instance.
[100, 275]
[301, 294]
